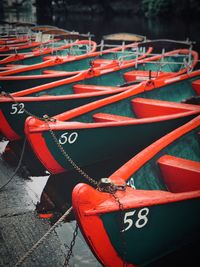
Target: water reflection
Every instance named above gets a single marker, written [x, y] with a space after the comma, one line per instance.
[174, 27]
[25, 11]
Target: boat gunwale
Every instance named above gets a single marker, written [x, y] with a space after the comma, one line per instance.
[33, 125]
[114, 68]
[134, 198]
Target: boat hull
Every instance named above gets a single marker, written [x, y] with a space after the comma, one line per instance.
[156, 230]
[87, 146]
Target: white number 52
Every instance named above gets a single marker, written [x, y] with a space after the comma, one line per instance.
[17, 108]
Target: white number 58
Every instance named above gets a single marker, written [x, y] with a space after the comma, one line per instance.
[141, 219]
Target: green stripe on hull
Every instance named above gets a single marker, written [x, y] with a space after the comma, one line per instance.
[18, 85]
[108, 142]
[12, 112]
[155, 231]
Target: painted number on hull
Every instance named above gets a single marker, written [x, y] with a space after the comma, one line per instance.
[68, 138]
[141, 218]
[17, 108]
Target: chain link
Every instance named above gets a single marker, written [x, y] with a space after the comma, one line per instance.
[69, 159]
[25, 110]
[44, 237]
[69, 254]
[46, 119]
[104, 185]
[120, 218]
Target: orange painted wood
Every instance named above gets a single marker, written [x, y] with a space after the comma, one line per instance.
[6, 129]
[15, 66]
[105, 117]
[140, 75]
[87, 88]
[144, 107]
[196, 86]
[180, 175]
[54, 72]
[102, 62]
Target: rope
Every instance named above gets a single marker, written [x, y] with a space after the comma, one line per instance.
[18, 166]
[41, 240]
[103, 185]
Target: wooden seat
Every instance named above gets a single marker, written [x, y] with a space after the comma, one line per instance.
[196, 86]
[103, 62]
[16, 66]
[143, 75]
[106, 117]
[46, 95]
[88, 88]
[144, 107]
[58, 59]
[180, 175]
[54, 72]
[4, 68]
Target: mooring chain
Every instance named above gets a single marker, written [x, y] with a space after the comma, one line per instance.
[104, 185]
[44, 237]
[69, 254]
[69, 159]
[121, 208]
[23, 108]
[18, 166]
[46, 118]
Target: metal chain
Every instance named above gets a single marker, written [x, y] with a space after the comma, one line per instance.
[18, 166]
[69, 159]
[25, 110]
[69, 254]
[36, 245]
[121, 208]
[46, 119]
[104, 185]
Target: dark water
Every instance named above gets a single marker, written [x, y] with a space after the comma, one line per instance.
[154, 28]
[177, 29]
[168, 27]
